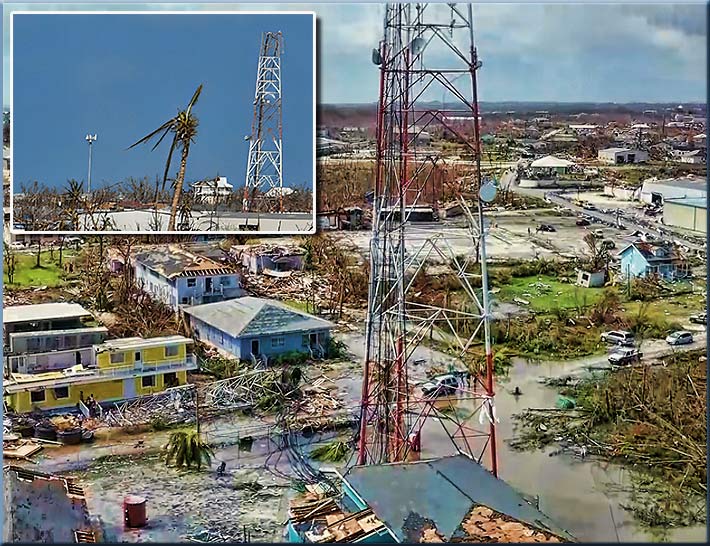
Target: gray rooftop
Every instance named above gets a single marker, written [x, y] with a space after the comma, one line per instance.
[695, 202]
[172, 262]
[443, 491]
[43, 311]
[685, 183]
[250, 316]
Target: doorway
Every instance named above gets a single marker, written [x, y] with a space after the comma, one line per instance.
[77, 357]
[255, 346]
[314, 340]
[208, 284]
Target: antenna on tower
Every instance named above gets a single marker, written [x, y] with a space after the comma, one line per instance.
[264, 174]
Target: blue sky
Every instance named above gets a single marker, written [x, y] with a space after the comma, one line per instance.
[121, 76]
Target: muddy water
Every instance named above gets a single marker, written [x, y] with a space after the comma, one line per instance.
[582, 496]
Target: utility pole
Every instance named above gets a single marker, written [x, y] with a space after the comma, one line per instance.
[90, 139]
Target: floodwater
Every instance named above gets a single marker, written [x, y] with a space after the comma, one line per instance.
[582, 496]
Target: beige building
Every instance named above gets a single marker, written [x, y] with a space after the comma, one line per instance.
[686, 213]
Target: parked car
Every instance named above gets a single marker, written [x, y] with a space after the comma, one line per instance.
[582, 222]
[624, 357]
[546, 227]
[17, 246]
[442, 385]
[608, 244]
[680, 338]
[700, 318]
[618, 337]
[648, 237]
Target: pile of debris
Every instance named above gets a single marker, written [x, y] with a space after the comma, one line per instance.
[298, 286]
[171, 407]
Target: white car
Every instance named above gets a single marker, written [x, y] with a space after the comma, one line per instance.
[618, 337]
[680, 338]
[17, 246]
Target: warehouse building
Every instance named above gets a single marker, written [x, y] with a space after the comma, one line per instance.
[686, 213]
[656, 192]
[621, 156]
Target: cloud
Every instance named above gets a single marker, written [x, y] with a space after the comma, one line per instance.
[530, 51]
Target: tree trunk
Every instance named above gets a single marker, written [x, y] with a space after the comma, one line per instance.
[39, 251]
[177, 190]
[61, 250]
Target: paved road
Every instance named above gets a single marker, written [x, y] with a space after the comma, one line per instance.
[563, 199]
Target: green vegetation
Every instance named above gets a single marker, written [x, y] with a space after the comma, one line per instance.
[28, 275]
[333, 452]
[187, 449]
[546, 293]
[651, 419]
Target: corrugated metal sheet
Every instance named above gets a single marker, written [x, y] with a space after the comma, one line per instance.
[440, 493]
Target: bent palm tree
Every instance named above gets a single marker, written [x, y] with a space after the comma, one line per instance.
[185, 448]
[184, 127]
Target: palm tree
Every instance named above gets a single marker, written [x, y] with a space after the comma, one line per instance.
[186, 448]
[184, 127]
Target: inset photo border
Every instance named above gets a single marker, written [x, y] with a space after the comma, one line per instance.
[135, 122]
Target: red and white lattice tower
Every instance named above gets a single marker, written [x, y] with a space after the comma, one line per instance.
[264, 178]
[426, 49]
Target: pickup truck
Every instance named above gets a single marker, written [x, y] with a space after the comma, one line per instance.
[624, 357]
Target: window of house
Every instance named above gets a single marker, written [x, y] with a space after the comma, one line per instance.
[224, 281]
[148, 381]
[117, 358]
[184, 301]
[277, 341]
[37, 396]
[191, 283]
[61, 392]
[171, 350]
[170, 379]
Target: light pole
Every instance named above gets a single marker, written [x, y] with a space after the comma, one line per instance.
[90, 139]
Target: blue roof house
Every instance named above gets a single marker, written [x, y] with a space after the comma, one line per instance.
[646, 259]
[258, 329]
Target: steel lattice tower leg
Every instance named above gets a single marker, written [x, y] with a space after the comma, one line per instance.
[264, 166]
[406, 176]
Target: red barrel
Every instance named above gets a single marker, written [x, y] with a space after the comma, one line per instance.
[134, 513]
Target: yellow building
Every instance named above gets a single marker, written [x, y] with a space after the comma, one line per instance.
[121, 369]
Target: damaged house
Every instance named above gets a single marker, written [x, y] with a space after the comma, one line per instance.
[648, 259]
[178, 277]
[258, 329]
[269, 259]
[48, 336]
[44, 508]
[451, 499]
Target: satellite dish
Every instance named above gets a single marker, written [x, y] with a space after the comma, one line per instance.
[488, 191]
[417, 45]
[376, 57]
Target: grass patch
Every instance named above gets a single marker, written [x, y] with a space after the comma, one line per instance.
[546, 294]
[298, 305]
[28, 275]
